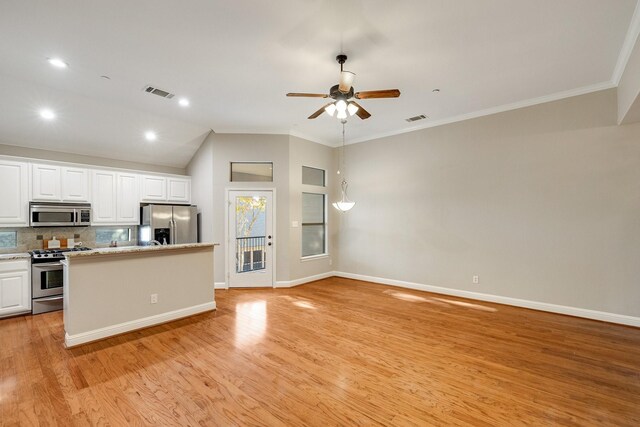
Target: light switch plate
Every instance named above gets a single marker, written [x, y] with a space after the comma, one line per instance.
[294, 224]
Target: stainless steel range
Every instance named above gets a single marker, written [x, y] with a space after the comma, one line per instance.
[46, 278]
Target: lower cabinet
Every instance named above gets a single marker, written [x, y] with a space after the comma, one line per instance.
[15, 287]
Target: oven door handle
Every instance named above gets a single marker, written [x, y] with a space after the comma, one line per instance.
[56, 298]
[48, 266]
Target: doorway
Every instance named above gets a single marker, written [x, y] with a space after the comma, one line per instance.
[251, 243]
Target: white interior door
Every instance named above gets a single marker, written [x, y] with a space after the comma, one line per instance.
[251, 241]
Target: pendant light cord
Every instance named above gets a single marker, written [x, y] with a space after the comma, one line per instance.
[342, 156]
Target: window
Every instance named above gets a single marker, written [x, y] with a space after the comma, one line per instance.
[314, 226]
[8, 239]
[251, 172]
[108, 235]
[312, 176]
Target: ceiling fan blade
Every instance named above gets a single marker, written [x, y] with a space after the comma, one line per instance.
[346, 81]
[308, 95]
[362, 113]
[320, 111]
[370, 94]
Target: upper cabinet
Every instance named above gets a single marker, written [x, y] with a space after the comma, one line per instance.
[45, 182]
[154, 188]
[104, 198]
[14, 194]
[128, 198]
[166, 189]
[115, 195]
[179, 190]
[59, 184]
[116, 198]
[75, 184]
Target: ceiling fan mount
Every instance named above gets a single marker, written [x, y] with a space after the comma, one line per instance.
[336, 94]
[343, 92]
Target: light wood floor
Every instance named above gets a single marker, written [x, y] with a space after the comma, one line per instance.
[334, 352]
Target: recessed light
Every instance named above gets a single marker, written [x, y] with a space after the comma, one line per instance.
[435, 90]
[105, 77]
[151, 136]
[184, 102]
[58, 63]
[47, 114]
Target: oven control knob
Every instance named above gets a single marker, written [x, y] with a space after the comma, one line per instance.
[46, 254]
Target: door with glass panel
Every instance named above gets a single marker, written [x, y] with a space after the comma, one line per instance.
[251, 242]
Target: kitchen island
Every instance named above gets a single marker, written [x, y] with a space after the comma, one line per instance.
[111, 291]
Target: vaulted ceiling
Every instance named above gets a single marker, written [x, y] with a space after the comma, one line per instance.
[235, 61]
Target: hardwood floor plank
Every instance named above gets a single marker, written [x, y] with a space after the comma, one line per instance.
[333, 352]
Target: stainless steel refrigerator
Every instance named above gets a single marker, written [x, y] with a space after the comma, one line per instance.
[170, 224]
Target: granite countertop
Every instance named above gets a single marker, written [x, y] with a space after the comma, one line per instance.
[136, 249]
[23, 255]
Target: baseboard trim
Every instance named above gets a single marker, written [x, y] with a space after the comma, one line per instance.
[220, 285]
[98, 334]
[535, 305]
[302, 281]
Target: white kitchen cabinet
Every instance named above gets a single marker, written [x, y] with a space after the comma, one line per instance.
[104, 205]
[179, 190]
[14, 194]
[45, 182]
[166, 189]
[15, 287]
[116, 198]
[154, 188]
[75, 184]
[128, 199]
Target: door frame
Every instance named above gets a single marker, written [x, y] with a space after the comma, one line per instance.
[227, 204]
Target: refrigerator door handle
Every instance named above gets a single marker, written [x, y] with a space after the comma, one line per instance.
[174, 232]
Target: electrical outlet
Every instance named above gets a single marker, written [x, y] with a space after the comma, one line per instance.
[330, 261]
[154, 298]
[476, 280]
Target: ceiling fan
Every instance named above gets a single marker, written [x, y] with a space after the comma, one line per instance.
[342, 94]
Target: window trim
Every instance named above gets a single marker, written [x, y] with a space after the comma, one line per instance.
[260, 162]
[132, 236]
[324, 176]
[325, 215]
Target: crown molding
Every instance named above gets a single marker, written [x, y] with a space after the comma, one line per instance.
[494, 110]
[627, 47]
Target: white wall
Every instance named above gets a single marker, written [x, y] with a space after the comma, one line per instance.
[210, 172]
[34, 153]
[543, 203]
[307, 153]
[200, 168]
[629, 89]
[244, 147]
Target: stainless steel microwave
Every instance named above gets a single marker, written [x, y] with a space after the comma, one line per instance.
[44, 214]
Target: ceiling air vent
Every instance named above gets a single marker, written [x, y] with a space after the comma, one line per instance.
[416, 118]
[159, 92]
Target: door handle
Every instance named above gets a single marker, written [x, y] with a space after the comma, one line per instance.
[57, 298]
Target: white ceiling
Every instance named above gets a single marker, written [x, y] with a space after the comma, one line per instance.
[236, 60]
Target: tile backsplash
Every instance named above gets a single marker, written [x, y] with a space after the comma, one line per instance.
[27, 237]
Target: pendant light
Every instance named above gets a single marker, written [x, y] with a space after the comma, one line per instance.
[344, 204]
